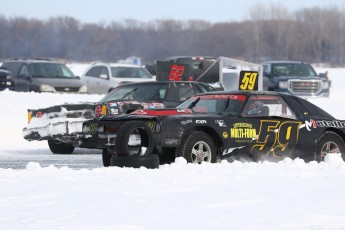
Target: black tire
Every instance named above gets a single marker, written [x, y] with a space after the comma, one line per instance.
[58, 147]
[106, 156]
[149, 161]
[138, 129]
[329, 142]
[203, 146]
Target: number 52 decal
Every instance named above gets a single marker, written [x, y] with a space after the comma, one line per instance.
[277, 137]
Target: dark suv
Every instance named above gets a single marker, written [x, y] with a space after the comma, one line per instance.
[6, 81]
[42, 75]
[295, 77]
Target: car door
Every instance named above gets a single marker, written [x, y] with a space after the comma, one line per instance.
[103, 81]
[22, 82]
[268, 132]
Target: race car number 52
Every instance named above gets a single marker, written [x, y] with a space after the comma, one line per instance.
[248, 80]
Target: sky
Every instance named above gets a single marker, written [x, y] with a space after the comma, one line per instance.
[289, 195]
[104, 11]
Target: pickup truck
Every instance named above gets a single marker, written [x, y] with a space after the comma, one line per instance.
[295, 77]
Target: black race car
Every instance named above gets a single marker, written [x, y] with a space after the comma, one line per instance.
[61, 125]
[239, 125]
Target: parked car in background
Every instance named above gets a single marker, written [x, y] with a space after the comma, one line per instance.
[295, 77]
[6, 80]
[42, 75]
[101, 78]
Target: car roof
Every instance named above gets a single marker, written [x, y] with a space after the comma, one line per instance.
[285, 62]
[248, 93]
[117, 64]
[32, 60]
[190, 57]
[163, 82]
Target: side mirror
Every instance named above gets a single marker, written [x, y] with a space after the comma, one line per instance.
[103, 76]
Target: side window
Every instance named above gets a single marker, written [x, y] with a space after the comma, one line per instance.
[93, 72]
[200, 88]
[24, 71]
[104, 73]
[267, 105]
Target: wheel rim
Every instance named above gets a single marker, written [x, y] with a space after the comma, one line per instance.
[329, 147]
[201, 152]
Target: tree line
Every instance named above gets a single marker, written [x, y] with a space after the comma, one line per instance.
[271, 32]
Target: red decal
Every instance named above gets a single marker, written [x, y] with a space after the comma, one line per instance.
[39, 114]
[98, 111]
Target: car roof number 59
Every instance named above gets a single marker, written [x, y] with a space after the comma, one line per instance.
[248, 80]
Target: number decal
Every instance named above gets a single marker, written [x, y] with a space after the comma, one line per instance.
[277, 138]
[267, 137]
[176, 71]
[248, 80]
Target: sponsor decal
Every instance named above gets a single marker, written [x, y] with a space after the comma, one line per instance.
[171, 141]
[200, 121]
[184, 111]
[112, 104]
[221, 123]
[327, 124]
[114, 111]
[186, 122]
[151, 125]
[243, 131]
[93, 128]
[224, 96]
[225, 135]
[98, 111]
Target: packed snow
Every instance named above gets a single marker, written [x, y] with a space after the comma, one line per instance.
[290, 194]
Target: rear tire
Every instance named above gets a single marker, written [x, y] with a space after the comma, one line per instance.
[58, 147]
[329, 143]
[149, 161]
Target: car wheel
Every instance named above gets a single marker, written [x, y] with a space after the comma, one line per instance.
[58, 147]
[134, 138]
[106, 156]
[149, 161]
[198, 147]
[329, 143]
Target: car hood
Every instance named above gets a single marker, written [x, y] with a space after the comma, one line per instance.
[285, 78]
[58, 81]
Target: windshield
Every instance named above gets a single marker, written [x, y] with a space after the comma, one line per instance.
[51, 70]
[215, 104]
[130, 72]
[293, 69]
[138, 92]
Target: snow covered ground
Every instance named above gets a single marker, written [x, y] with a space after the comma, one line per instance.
[285, 195]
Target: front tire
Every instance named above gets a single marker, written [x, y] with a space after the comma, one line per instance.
[198, 147]
[329, 143]
[58, 147]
